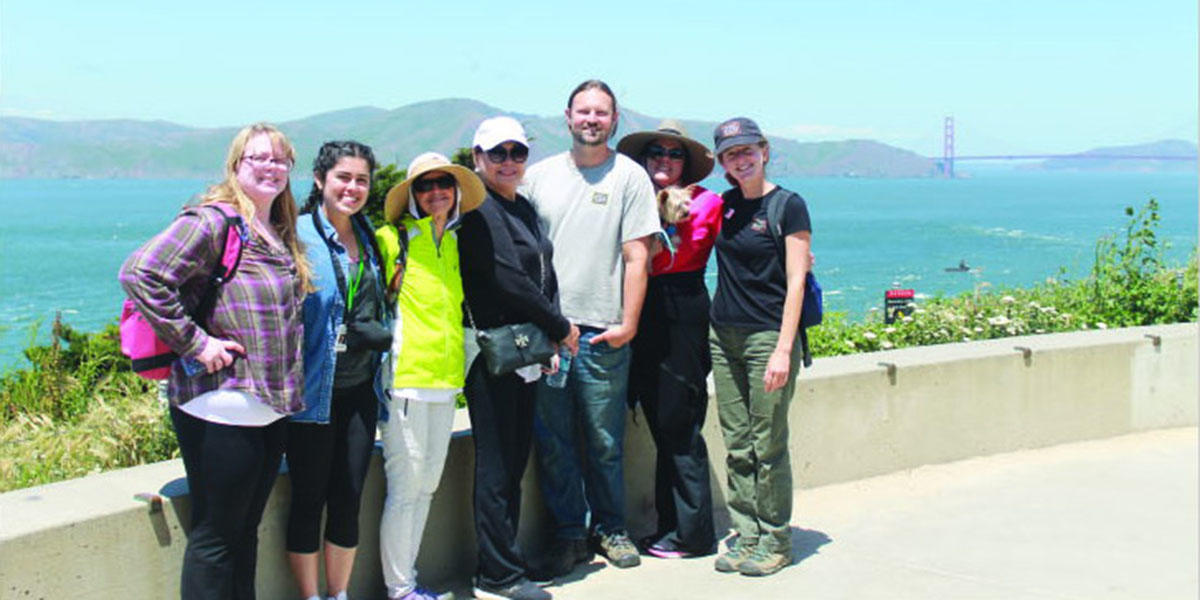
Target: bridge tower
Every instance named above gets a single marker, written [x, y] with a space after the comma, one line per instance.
[948, 148]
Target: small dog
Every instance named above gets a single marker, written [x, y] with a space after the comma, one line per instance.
[674, 204]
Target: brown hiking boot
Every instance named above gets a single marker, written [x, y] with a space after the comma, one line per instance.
[729, 561]
[763, 562]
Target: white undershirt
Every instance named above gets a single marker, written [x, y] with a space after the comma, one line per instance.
[230, 407]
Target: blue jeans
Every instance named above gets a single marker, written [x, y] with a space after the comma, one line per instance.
[592, 403]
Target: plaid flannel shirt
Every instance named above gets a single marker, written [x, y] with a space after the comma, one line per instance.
[260, 308]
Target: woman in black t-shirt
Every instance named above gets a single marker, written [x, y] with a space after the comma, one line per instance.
[756, 349]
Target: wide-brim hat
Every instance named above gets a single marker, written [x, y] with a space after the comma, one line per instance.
[470, 188]
[699, 161]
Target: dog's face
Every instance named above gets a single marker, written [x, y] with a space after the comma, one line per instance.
[674, 204]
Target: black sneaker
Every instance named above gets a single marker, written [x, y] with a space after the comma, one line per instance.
[618, 549]
[523, 589]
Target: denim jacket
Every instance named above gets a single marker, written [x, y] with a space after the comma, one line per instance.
[324, 310]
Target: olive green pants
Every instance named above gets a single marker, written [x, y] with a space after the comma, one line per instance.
[755, 427]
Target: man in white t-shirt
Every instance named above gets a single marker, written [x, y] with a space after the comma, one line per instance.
[598, 209]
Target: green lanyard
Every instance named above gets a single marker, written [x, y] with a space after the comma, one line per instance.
[353, 287]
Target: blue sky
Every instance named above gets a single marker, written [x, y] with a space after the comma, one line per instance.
[1018, 76]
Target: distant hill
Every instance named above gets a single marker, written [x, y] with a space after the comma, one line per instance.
[1173, 148]
[33, 148]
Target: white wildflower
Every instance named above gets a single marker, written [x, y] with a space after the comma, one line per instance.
[886, 345]
[978, 330]
[907, 319]
[998, 320]
[889, 330]
[870, 335]
[1101, 325]
[1007, 300]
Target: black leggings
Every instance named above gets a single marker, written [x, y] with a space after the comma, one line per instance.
[670, 362]
[328, 464]
[230, 473]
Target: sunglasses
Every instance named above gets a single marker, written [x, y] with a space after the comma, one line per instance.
[656, 152]
[445, 182]
[499, 154]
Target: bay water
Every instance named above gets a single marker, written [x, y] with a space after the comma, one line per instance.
[62, 241]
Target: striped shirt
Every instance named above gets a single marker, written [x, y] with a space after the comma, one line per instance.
[260, 308]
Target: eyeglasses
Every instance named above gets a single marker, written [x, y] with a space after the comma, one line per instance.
[445, 182]
[656, 152]
[499, 154]
[265, 160]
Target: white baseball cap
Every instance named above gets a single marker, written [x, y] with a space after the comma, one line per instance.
[497, 130]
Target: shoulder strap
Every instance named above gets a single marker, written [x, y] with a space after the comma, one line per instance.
[333, 259]
[776, 204]
[231, 256]
[401, 263]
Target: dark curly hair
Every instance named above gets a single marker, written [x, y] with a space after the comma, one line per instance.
[327, 158]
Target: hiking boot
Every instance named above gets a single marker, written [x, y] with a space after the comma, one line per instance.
[523, 589]
[618, 549]
[764, 561]
[562, 558]
[729, 561]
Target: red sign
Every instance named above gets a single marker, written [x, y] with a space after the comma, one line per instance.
[899, 294]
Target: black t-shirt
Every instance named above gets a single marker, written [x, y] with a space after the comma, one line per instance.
[751, 282]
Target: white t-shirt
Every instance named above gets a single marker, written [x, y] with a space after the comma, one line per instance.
[588, 213]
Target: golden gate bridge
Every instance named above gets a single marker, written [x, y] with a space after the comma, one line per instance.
[949, 158]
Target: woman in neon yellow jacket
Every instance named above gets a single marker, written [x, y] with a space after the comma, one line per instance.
[421, 260]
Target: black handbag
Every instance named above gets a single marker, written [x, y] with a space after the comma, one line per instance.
[509, 347]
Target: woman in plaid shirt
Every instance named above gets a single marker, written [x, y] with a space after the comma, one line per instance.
[242, 370]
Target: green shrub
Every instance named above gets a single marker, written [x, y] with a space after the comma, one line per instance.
[78, 409]
[1130, 284]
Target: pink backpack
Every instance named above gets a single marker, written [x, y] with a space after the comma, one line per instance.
[151, 358]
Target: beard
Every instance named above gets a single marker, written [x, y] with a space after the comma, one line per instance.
[583, 137]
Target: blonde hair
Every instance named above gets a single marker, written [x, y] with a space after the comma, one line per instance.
[283, 209]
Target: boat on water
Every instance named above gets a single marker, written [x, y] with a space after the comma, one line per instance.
[962, 267]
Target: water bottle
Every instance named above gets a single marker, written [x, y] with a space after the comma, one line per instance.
[558, 379]
[192, 367]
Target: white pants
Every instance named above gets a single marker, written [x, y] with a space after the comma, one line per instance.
[416, 437]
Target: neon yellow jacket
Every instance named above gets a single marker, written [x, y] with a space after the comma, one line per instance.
[427, 347]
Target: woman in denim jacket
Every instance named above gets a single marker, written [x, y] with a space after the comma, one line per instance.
[329, 445]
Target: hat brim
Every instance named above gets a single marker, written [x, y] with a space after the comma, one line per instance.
[470, 188]
[738, 140]
[699, 162]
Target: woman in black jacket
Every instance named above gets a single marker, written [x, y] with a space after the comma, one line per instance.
[508, 278]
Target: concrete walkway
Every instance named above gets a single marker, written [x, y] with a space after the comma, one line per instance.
[1113, 518]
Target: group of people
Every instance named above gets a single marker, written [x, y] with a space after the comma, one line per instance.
[332, 328]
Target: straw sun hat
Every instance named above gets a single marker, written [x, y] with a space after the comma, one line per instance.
[699, 160]
[470, 188]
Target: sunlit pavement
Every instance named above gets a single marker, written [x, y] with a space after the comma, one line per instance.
[1113, 518]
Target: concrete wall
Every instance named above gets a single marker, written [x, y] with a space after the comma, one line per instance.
[852, 417]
